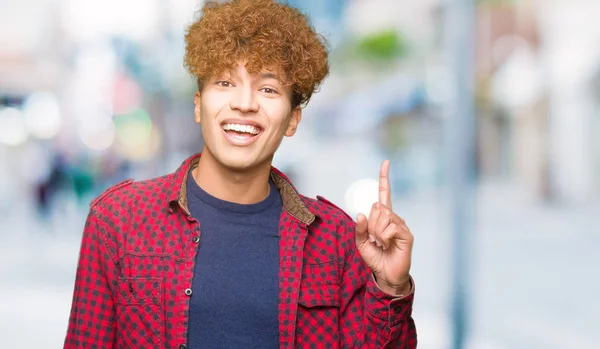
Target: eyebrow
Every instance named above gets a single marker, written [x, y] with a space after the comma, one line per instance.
[270, 76]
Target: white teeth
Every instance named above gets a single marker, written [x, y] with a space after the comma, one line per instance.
[241, 128]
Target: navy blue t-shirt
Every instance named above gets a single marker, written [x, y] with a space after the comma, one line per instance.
[234, 301]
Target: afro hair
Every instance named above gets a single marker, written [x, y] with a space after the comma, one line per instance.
[265, 35]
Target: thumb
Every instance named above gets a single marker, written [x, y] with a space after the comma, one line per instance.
[361, 229]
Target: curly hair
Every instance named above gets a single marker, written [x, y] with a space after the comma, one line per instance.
[265, 35]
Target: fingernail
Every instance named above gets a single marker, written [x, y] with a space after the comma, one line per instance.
[371, 238]
[379, 244]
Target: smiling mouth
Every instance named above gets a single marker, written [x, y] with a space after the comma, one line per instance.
[241, 135]
[241, 130]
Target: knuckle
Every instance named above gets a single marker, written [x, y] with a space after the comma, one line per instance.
[385, 222]
[389, 234]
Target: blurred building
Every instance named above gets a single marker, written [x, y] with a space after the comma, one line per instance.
[537, 112]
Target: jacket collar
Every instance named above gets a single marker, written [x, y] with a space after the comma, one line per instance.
[292, 203]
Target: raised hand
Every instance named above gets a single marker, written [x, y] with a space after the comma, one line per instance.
[384, 241]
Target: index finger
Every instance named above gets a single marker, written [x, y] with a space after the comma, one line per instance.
[385, 193]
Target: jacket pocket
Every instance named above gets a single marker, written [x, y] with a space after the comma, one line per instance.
[318, 316]
[314, 274]
[140, 313]
[319, 296]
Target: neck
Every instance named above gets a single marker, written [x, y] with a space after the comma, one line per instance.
[242, 187]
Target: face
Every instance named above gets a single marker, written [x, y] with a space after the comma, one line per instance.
[244, 117]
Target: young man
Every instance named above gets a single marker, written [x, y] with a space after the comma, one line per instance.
[224, 253]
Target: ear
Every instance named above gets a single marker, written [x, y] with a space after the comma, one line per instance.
[294, 121]
[197, 102]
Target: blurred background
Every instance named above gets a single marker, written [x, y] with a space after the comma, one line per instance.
[489, 111]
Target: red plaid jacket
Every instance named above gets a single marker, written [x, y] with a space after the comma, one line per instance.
[137, 261]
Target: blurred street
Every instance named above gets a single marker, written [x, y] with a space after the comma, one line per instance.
[516, 239]
[92, 93]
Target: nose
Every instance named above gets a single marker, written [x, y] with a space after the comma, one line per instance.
[244, 100]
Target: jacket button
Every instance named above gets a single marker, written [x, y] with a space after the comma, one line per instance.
[196, 239]
[183, 346]
[188, 292]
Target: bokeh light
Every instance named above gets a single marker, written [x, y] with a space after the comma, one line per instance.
[97, 132]
[43, 115]
[13, 130]
[136, 137]
[361, 195]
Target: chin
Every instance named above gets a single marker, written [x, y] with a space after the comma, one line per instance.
[238, 159]
[239, 162]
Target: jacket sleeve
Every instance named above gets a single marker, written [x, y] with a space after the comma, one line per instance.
[92, 319]
[370, 318]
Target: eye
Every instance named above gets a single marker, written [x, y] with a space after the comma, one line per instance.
[269, 90]
[224, 83]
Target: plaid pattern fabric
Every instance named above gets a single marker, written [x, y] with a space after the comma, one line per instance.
[137, 260]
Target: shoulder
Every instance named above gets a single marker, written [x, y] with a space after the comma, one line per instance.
[113, 190]
[327, 210]
[333, 226]
[130, 190]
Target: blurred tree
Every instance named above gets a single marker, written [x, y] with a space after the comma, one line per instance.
[385, 45]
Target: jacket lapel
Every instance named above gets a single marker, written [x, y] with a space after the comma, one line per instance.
[291, 246]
